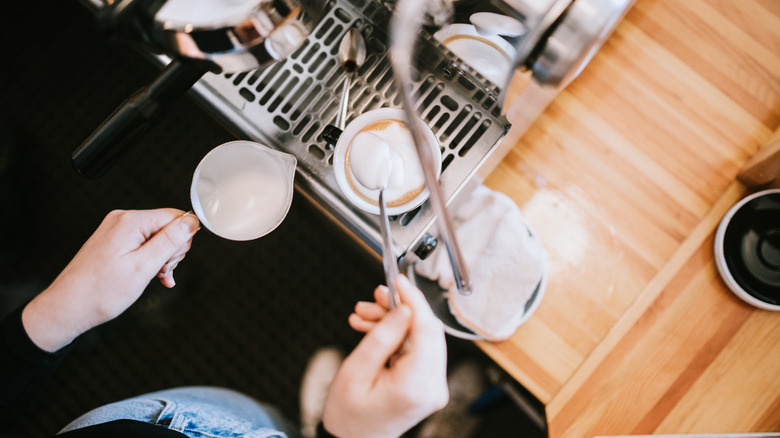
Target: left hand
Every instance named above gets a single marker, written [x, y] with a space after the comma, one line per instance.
[109, 273]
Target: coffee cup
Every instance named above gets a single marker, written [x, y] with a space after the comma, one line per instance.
[409, 191]
[747, 249]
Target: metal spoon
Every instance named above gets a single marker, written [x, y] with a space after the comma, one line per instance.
[352, 55]
[371, 162]
[388, 258]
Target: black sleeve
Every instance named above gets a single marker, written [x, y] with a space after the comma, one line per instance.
[24, 368]
[322, 433]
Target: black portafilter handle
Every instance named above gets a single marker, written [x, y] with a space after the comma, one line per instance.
[137, 115]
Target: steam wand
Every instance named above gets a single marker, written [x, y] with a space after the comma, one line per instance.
[404, 28]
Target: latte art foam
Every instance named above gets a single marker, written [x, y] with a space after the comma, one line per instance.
[406, 180]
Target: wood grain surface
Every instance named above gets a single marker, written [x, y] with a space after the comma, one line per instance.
[625, 176]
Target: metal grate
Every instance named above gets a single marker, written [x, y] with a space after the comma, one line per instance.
[288, 104]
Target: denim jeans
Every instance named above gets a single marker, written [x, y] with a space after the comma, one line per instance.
[197, 412]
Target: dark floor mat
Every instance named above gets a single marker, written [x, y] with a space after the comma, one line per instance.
[243, 315]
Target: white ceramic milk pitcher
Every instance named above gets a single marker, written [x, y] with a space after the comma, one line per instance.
[242, 190]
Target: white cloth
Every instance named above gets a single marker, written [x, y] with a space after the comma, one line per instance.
[505, 261]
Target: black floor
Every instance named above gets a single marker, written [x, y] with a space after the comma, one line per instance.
[243, 315]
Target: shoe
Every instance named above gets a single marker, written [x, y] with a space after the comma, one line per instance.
[319, 373]
[466, 383]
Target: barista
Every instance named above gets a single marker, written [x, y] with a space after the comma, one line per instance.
[376, 392]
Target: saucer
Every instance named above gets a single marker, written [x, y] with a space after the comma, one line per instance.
[747, 249]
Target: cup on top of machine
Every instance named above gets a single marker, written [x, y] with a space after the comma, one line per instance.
[406, 186]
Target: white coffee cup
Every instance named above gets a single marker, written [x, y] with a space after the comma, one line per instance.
[390, 125]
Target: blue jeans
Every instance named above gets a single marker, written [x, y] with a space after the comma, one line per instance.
[197, 412]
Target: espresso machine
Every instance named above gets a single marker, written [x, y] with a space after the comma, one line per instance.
[269, 70]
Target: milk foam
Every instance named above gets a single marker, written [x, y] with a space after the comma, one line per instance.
[370, 162]
[406, 179]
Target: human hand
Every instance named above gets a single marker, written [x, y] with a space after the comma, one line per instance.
[379, 391]
[109, 273]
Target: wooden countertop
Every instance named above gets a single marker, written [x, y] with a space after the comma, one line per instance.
[625, 176]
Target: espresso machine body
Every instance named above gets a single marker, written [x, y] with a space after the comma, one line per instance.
[283, 91]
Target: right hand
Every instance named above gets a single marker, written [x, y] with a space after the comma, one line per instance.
[369, 398]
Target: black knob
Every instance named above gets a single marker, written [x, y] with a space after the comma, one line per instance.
[331, 134]
[426, 246]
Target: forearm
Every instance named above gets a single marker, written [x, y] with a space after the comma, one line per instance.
[55, 318]
[24, 369]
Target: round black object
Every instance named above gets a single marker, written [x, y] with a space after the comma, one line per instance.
[751, 246]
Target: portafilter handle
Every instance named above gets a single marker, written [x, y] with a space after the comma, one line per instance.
[137, 115]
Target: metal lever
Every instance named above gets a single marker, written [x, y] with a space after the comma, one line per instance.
[404, 28]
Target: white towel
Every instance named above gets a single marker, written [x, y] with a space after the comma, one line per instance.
[506, 263]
